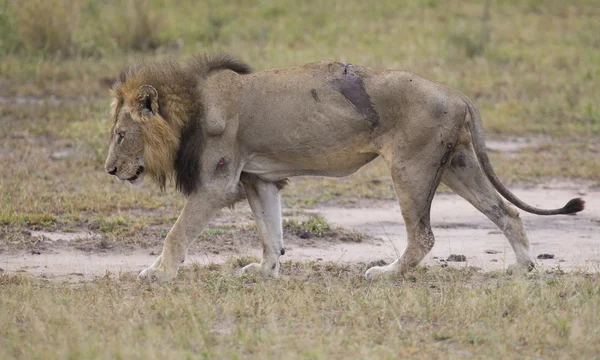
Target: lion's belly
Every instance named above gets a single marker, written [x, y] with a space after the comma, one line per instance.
[273, 169]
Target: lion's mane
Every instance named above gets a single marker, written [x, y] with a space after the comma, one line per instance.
[172, 140]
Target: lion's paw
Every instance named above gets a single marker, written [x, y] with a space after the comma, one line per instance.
[376, 272]
[157, 274]
[260, 269]
[519, 269]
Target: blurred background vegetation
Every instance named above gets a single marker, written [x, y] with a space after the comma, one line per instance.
[531, 66]
[525, 60]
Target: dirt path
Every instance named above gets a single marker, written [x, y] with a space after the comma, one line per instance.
[459, 228]
[462, 230]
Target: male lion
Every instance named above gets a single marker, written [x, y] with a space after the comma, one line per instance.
[222, 133]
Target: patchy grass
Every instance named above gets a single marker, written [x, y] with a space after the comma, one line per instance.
[314, 226]
[313, 310]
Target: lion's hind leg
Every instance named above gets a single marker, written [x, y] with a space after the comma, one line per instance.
[265, 202]
[415, 181]
[465, 177]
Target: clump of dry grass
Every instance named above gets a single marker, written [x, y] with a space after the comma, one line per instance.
[133, 25]
[66, 28]
[48, 25]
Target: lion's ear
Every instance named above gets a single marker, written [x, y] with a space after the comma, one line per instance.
[148, 98]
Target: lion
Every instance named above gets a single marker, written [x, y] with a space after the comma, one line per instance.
[223, 133]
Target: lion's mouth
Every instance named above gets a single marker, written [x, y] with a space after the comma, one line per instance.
[138, 172]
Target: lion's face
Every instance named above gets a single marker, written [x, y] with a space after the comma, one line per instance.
[125, 157]
[142, 141]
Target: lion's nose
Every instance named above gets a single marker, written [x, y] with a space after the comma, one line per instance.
[112, 171]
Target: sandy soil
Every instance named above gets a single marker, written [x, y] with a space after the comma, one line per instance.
[459, 228]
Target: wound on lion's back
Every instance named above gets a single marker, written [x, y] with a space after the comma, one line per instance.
[222, 164]
[352, 87]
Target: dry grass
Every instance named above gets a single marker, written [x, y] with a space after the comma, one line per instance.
[314, 311]
[48, 25]
[134, 25]
[69, 28]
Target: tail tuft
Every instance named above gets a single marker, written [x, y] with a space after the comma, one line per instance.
[573, 206]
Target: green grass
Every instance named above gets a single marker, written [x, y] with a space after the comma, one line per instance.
[314, 225]
[313, 311]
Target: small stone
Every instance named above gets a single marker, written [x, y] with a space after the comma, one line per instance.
[491, 251]
[304, 234]
[457, 258]
[545, 256]
[494, 260]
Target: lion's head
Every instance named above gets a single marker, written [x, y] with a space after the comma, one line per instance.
[142, 141]
[155, 111]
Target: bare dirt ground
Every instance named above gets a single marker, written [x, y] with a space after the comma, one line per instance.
[461, 231]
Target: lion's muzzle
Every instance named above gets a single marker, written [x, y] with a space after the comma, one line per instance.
[138, 172]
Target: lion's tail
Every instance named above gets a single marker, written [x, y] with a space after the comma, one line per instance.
[476, 129]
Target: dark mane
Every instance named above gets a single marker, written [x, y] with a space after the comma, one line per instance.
[187, 162]
[177, 86]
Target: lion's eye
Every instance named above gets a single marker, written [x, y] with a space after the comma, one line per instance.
[120, 137]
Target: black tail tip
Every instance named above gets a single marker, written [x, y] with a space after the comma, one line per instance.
[574, 206]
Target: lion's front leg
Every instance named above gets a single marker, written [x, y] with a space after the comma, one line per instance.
[197, 212]
[265, 202]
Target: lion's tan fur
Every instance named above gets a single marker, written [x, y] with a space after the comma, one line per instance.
[324, 118]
